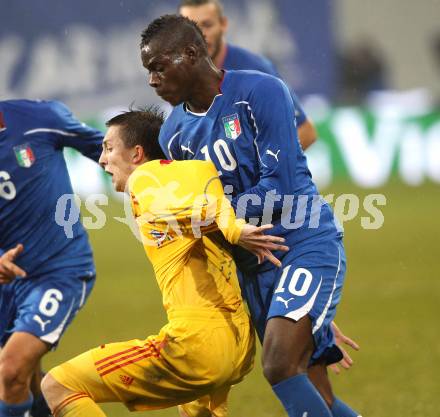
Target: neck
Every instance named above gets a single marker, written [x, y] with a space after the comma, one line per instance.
[207, 87]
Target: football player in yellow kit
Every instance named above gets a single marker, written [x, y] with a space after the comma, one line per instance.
[208, 344]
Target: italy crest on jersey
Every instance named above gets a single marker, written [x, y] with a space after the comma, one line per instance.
[232, 126]
[25, 156]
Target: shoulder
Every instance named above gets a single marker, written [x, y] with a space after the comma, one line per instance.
[26, 108]
[240, 58]
[158, 173]
[30, 114]
[254, 82]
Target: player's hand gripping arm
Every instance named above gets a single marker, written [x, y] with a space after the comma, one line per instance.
[271, 109]
[341, 339]
[8, 269]
[254, 240]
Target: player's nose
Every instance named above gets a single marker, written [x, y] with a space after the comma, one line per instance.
[153, 80]
[102, 160]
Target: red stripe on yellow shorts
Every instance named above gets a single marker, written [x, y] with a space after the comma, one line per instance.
[129, 356]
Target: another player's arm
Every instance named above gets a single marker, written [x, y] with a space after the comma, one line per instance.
[8, 269]
[73, 133]
[236, 231]
[272, 108]
[307, 134]
[306, 130]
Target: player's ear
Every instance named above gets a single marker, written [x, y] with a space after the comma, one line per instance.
[224, 23]
[191, 52]
[139, 156]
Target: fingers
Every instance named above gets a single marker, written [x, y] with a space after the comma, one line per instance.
[274, 239]
[271, 258]
[335, 368]
[345, 364]
[346, 361]
[264, 227]
[258, 233]
[268, 245]
[13, 253]
[10, 270]
[350, 342]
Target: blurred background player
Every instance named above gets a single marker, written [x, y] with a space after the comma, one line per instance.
[362, 71]
[45, 276]
[209, 16]
[241, 122]
[207, 321]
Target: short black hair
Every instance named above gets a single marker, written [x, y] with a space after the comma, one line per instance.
[196, 3]
[141, 126]
[175, 32]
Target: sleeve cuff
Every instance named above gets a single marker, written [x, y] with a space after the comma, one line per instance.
[237, 228]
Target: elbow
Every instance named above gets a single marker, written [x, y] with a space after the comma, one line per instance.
[307, 134]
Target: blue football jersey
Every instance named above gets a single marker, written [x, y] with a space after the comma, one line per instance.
[250, 136]
[33, 175]
[241, 59]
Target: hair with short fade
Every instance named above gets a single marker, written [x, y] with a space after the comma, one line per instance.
[197, 3]
[176, 32]
[141, 126]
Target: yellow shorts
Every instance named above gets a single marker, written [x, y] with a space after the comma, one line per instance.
[198, 353]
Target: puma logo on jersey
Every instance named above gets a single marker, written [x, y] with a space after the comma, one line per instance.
[275, 155]
[41, 322]
[286, 302]
[187, 149]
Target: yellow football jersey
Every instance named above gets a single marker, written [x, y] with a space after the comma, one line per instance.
[176, 204]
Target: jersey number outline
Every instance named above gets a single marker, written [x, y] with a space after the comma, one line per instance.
[223, 154]
[50, 302]
[7, 188]
[305, 285]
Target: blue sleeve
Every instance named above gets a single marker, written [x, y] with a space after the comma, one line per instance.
[74, 134]
[269, 68]
[300, 115]
[276, 143]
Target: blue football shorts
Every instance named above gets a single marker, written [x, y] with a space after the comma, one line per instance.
[308, 283]
[43, 306]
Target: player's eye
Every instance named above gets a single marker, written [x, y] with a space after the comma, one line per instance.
[206, 25]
